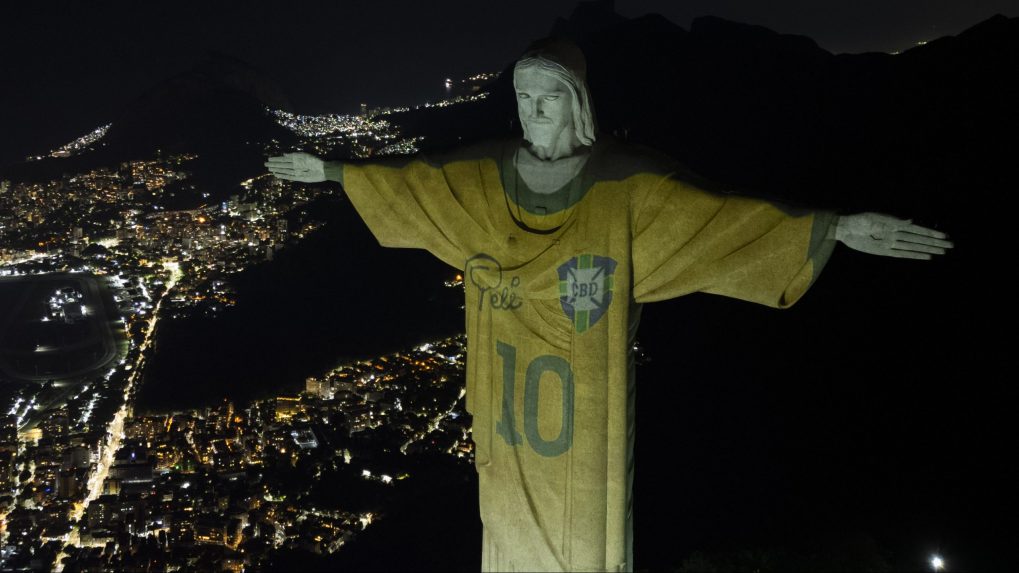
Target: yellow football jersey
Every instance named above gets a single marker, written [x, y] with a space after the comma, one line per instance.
[554, 286]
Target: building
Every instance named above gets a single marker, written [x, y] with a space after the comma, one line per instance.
[55, 424]
[287, 407]
[304, 438]
[319, 388]
[76, 458]
[68, 485]
[210, 530]
[132, 466]
[8, 471]
[109, 511]
[8, 433]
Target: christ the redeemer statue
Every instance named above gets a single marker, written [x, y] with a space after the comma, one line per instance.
[561, 237]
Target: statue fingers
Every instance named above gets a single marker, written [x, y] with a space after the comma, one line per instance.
[922, 240]
[907, 255]
[920, 230]
[917, 248]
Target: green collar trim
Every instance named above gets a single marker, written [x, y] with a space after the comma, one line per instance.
[519, 194]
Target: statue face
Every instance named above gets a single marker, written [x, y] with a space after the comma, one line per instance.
[545, 106]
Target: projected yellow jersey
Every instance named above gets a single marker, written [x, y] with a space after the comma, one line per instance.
[554, 285]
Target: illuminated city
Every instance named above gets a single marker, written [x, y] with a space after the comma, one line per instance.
[369, 134]
[82, 472]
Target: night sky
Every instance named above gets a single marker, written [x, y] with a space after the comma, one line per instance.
[69, 67]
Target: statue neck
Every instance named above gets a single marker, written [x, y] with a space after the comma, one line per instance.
[549, 176]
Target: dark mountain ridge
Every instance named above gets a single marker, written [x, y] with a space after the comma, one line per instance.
[216, 110]
[775, 114]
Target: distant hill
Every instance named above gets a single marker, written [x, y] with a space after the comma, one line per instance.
[216, 109]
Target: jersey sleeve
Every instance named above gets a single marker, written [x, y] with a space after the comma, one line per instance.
[688, 240]
[407, 203]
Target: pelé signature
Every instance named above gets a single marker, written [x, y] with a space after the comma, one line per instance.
[505, 298]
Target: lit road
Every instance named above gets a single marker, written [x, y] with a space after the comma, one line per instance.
[115, 431]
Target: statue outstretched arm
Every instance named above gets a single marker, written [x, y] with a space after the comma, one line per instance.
[304, 167]
[880, 234]
[406, 202]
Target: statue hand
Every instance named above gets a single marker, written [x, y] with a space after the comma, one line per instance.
[879, 234]
[299, 166]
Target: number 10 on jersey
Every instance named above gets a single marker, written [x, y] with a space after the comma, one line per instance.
[506, 425]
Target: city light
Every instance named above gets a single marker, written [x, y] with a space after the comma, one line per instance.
[79, 145]
[158, 263]
[937, 563]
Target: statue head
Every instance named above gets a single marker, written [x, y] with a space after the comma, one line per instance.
[553, 101]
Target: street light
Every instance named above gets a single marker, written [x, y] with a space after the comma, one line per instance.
[937, 563]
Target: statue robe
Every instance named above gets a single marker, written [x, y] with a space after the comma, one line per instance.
[554, 286]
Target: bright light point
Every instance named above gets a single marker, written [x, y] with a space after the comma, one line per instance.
[937, 563]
